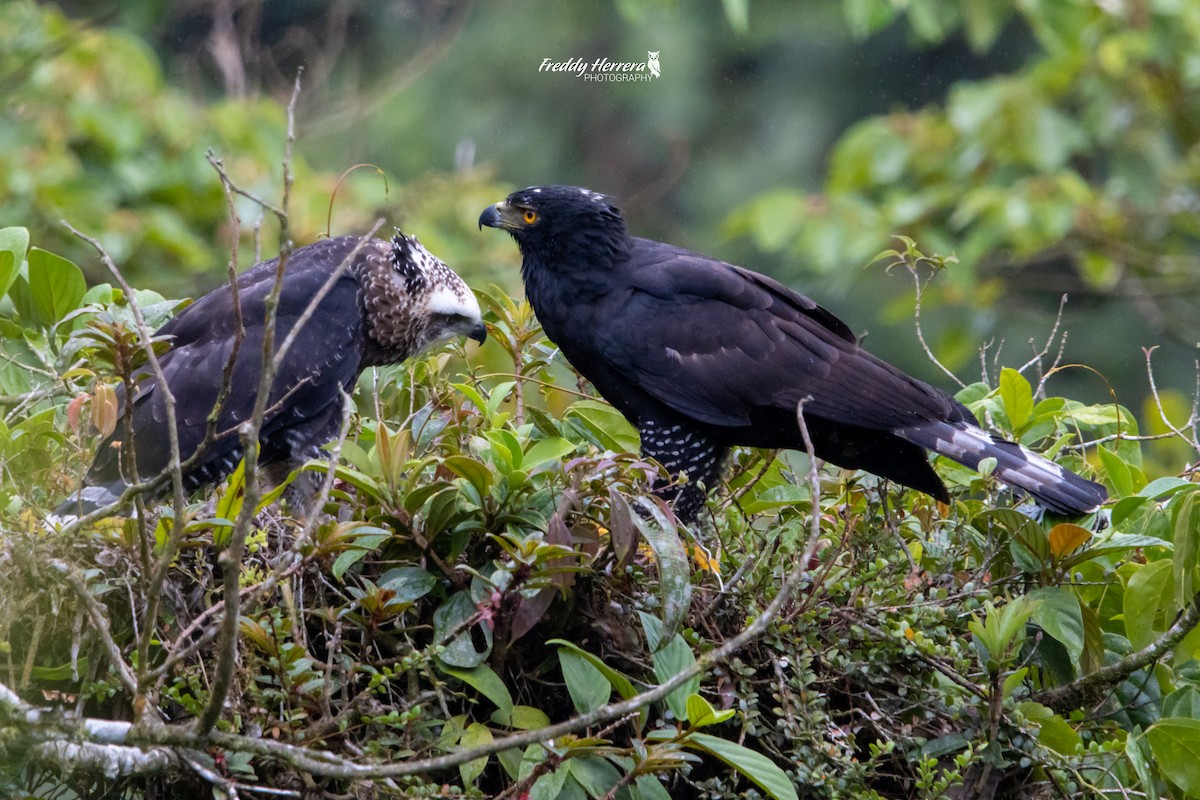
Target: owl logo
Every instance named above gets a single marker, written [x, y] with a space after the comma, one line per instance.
[652, 62]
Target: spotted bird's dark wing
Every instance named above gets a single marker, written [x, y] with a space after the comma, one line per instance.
[305, 397]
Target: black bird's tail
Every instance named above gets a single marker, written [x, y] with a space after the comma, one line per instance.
[1056, 489]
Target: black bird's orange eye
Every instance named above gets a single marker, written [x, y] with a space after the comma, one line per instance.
[530, 216]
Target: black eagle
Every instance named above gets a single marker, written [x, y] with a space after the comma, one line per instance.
[393, 299]
[700, 355]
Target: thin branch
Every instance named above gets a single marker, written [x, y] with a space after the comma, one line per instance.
[1191, 423]
[545, 384]
[171, 547]
[291, 563]
[917, 323]
[323, 292]
[100, 621]
[1038, 355]
[249, 432]
[147, 345]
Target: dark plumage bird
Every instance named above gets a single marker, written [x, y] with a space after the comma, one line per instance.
[700, 355]
[393, 300]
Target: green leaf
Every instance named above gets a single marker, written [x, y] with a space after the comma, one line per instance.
[55, 285]
[864, 17]
[1148, 591]
[1058, 614]
[1002, 630]
[366, 538]
[1017, 396]
[524, 718]
[1137, 750]
[755, 766]
[13, 244]
[669, 660]
[674, 571]
[460, 650]
[1030, 545]
[476, 734]
[1117, 471]
[1162, 488]
[588, 687]
[230, 503]
[551, 449]
[1175, 743]
[1183, 702]
[1095, 415]
[606, 426]
[1187, 547]
[596, 775]
[1092, 658]
[357, 479]
[510, 760]
[700, 712]
[409, 583]
[472, 394]
[1054, 731]
[651, 788]
[1115, 543]
[1012, 680]
[983, 22]
[619, 681]
[737, 12]
[475, 472]
[484, 680]
[8, 271]
[549, 786]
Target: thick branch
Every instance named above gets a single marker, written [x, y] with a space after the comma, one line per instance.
[1091, 689]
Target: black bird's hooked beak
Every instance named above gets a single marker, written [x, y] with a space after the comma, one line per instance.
[498, 215]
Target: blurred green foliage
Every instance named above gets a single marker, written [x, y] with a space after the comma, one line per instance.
[93, 135]
[1075, 174]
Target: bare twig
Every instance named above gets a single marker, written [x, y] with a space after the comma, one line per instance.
[174, 467]
[1038, 355]
[227, 647]
[100, 621]
[919, 288]
[163, 565]
[1191, 437]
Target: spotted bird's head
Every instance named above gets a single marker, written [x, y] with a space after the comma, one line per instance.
[414, 301]
[559, 227]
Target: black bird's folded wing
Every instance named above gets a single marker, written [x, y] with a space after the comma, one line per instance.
[715, 342]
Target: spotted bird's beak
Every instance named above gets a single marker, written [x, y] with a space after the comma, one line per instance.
[500, 215]
[478, 332]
